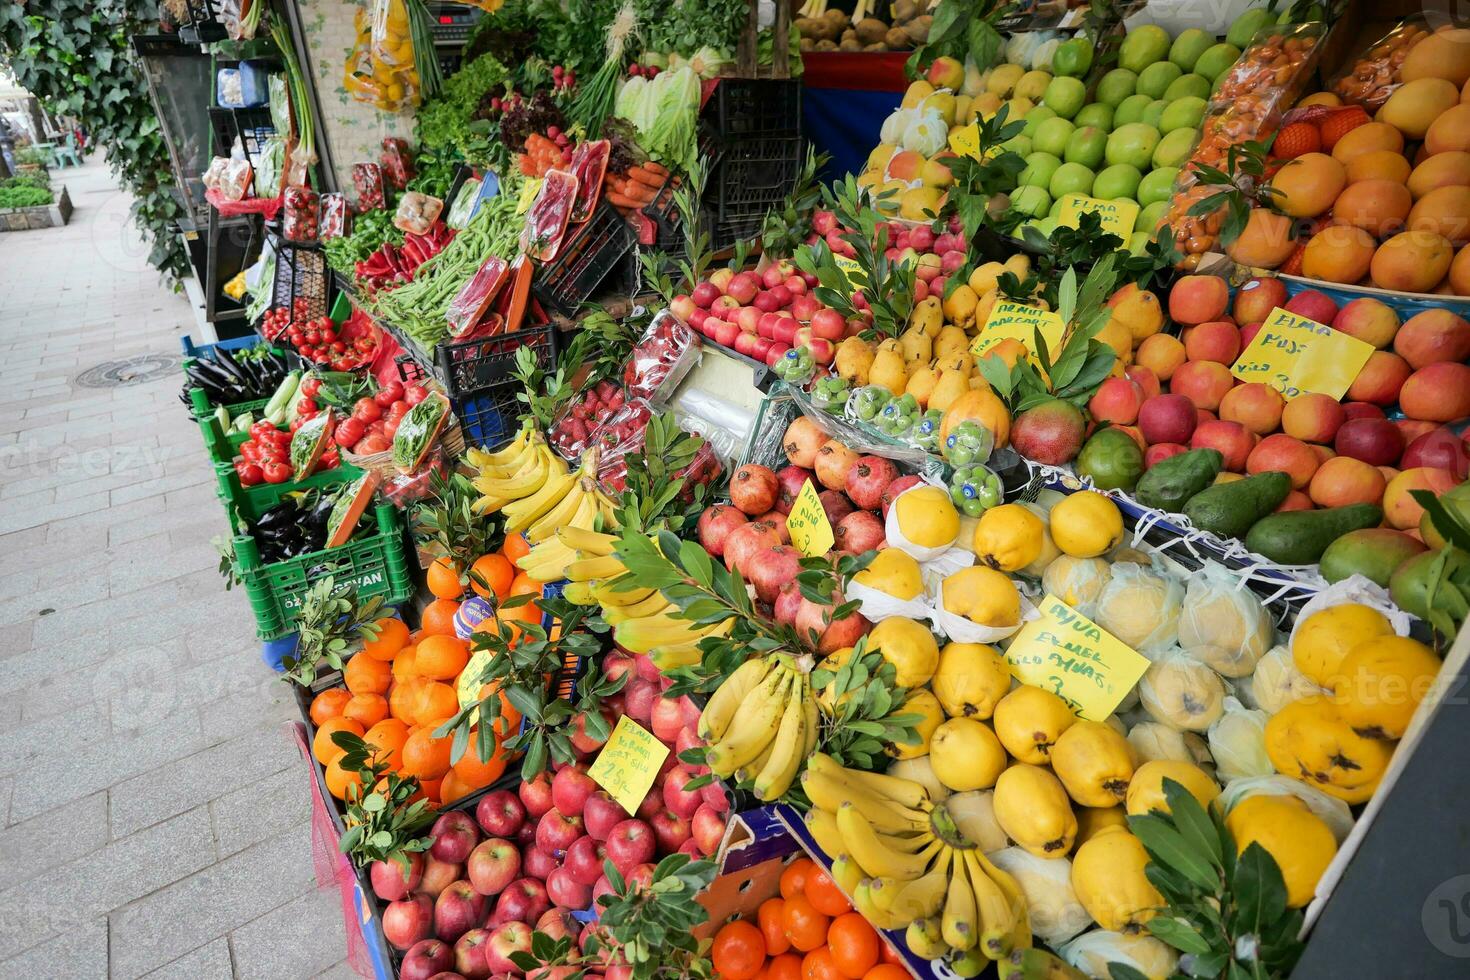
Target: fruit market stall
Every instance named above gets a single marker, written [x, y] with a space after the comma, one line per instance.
[1041, 544]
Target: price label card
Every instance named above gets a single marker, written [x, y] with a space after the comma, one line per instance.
[1118, 217]
[468, 686]
[965, 141]
[628, 764]
[1019, 321]
[811, 532]
[1295, 355]
[851, 270]
[1068, 654]
[529, 190]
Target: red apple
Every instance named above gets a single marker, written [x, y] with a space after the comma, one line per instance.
[556, 923]
[500, 813]
[536, 795]
[828, 324]
[666, 719]
[601, 814]
[455, 836]
[511, 936]
[727, 332]
[557, 830]
[408, 921]
[803, 306]
[743, 287]
[470, 951]
[493, 864]
[584, 862]
[536, 863]
[570, 788]
[748, 318]
[565, 889]
[524, 900]
[630, 844]
[638, 698]
[671, 831]
[390, 881]
[704, 294]
[682, 801]
[682, 306]
[582, 741]
[426, 958]
[782, 295]
[724, 306]
[714, 797]
[437, 876]
[697, 319]
[688, 739]
[457, 910]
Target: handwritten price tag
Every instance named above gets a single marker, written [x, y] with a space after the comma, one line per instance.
[811, 532]
[1118, 217]
[529, 190]
[467, 688]
[965, 141]
[628, 764]
[1068, 654]
[1295, 355]
[1018, 321]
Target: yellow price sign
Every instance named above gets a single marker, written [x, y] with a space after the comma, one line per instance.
[965, 140]
[1068, 654]
[851, 270]
[628, 764]
[529, 190]
[811, 532]
[1118, 217]
[468, 687]
[1295, 356]
[1019, 321]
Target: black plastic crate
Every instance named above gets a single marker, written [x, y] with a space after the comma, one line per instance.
[750, 108]
[752, 176]
[466, 366]
[589, 254]
[301, 273]
[203, 21]
[486, 417]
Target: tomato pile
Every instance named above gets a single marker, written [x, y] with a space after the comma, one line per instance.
[265, 456]
[809, 933]
[318, 340]
[374, 421]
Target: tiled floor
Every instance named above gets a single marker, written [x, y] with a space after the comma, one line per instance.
[153, 810]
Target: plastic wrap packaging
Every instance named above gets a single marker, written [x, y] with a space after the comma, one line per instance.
[663, 356]
[1155, 742]
[1222, 623]
[336, 219]
[1374, 74]
[1278, 63]
[417, 212]
[1091, 953]
[1052, 905]
[724, 425]
[229, 177]
[1077, 581]
[1276, 682]
[301, 215]
[1179, 691]
[1238, 743]
[612, 469]
[577, 426]
[380, 68]
[367, 181]
[1140, 606]
[397, 161]
[463, 204]
[1334, 812]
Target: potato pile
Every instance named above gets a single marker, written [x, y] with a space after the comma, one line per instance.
[833, 30]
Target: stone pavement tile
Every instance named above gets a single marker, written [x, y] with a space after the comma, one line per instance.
[98, 614]
[132, 681]
[15, 638]
[81, 951]
[32, 743]
[296, 940]
[341, 970]
[261, 809]
[210, 903]
[20, 517]
[7, 790]
[148, 488]
[209, 962]
[52, 839]
[106, 879]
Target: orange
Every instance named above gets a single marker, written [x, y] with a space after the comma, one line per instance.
[387, 738]
[366, 709]
[772, 919]
[452, 787]
[434, 700]
[443, 579]
[515, 548]
[787, 966]
[392, 637]
[339, 780]
[819, 965]
[887, 971]
[431, 789]
[438, 617]
[805, 926]
[738, 952]
[322, 745]
[365, 675]
[403, 699]
[854, 945]
[524, 584]
[887, 954]
[329, 704]
[425, 756]
[441, 658]
[793, 879]
[497, 572]
[473, 771]
[405, 665]
[824, 894]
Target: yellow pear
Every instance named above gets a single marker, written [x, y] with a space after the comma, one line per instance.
[951, 385]
[1094, 762]
[909, 646]
[1028, 721]
[921, 385]
[854, 358]
[916, 345]
[887, 371]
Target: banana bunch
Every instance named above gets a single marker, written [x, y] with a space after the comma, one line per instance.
[579, 512]
[905, 865]
[761, 724]
[525, 474]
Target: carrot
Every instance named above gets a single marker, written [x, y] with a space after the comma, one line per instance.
[645, 177]
[642, 194]
[656, 169]
[619, 200]
[615, 183]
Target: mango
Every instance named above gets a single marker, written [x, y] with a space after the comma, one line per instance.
[1373, 552]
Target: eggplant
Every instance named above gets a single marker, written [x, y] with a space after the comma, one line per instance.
[227, 364]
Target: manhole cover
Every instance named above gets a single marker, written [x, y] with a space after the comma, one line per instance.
[132, 371]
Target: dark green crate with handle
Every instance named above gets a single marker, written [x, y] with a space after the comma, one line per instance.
[248, 503]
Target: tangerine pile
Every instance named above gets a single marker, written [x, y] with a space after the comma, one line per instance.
[809, 933]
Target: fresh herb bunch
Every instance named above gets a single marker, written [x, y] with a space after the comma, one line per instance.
[787, 225]
[862, 709]
[446, 524]
[655, 499]
[369, 231]
[450, 119]
[386, 823]
[651, 927]
[330, 621]
[1225, 914]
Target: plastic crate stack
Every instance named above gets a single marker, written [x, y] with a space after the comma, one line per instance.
[758, 149]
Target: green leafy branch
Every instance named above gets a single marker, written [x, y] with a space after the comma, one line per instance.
[385, 823]
[862, 709]
[1242, 186]
[445, 523]
[331, 622]
[977, 183]
[787, 224]
[961, 27]
[545, 393]
[651, 927]
[655, 497]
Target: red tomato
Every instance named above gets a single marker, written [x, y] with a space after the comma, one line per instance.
[384, 398]
[349, 430]
[249, 451]
[250, 474]
[304, 405]
[299, 422]
[311, 386]
[276, 472]
[366, 410]
[415, 394]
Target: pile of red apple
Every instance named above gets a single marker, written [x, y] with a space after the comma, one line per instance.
[750, 533]
[525, 860]
[939, 256]
[764, 314]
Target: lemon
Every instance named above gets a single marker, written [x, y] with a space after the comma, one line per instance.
[1300, 841]
[1086, 524]
[1324, 638]
[926, 516]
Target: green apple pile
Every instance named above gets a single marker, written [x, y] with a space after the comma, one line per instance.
[1130, 140]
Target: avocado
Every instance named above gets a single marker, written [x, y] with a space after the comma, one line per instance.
[1169, 484]
[1299, 537]
[1373, 552]
[1229, 509]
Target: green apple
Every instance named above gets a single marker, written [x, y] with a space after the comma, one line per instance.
[1157, 186]
[1149, 215]
[1130, 110]
[1184, 113]
[1070, 178]
[1031, 200]
[1047, 225]
[1039, 168]
[1033, 85]
[1154, 80]
[1133, 144]
[1116, 182]
[1056, 209]
[1246, 25]
[1072, 58]
[1174, 148]
[1099, 114]
[1086, 146]
[1116, 86]
[1142, 47]
[1138, 242]
[1065, 96]
[1154, 114]
[1035, 118]
[1186, 85]
[1052, 135]
[1020, 145]
[1188, 46]
[1217, 61]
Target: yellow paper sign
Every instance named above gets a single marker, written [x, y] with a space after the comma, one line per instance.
[468, 686]
[1295, 356]
[1118, 217]
[851, 270]
[1019, 321]
[628, 764]
[1068, 654]
[811, 532]
[529, 190]
[965, 141]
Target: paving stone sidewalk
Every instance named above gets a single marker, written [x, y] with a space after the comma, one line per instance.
[153, 809]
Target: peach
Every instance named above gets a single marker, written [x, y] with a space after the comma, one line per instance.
[1380, 379]
[1441, 170]
[1342, 480]
[1202, 382]
[1379, 165]
[1283, 454]
[1459, 279]
[1324, 453]
[1145, 379]
[1308, 184]
[1198, 299]
[1414, 428]
[1412, 262]
[1433, 336]
[1341, 253]
[1116, 400]
[1256, 406]
[1376, 441]
[1231, 439]
[1295, 500]
[1161, 451]
[1400, 509]
[1367, 138]
[1162, 354]
[1377, 206]
[1257, 297]
[1218, 340]
[1312, 418]
[1436, 393]
[1203, 415]
[1371, 321]
[1314, 305]
[1444, 211]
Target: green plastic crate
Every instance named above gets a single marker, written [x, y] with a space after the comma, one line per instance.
[224, 446]
[248, 503]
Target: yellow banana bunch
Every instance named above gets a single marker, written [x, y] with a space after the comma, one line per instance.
[761, 724]
[536, 469]
[505, 460]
